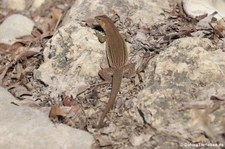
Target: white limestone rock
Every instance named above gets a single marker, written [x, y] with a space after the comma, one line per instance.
[15, 26]
[28, 128]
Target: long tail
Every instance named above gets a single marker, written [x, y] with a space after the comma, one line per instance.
[117, 78]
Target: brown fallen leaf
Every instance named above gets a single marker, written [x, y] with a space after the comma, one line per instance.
[5, 48]
[19, 90]
[19, 72]
[218, 29]
[2, 68]
[56, 112]
[147, 57]
[26, 39]
[25, 54]
[2, 18]
[35, 37]
[26, 102]
[75, 117]
[75, 109]
[67, 100]
[21, 53]
[103, 140]
[205, 23]
[4, 71]
[56, 18]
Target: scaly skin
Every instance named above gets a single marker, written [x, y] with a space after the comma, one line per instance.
[117, 56]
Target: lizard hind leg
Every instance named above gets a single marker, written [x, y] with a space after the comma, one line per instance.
[106, 74]
[129, 70]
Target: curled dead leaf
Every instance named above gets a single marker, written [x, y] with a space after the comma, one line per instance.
[103, 140]
[2, 68]
[26, 102]
[56, 112]
[56, 18]
[4, 71]
[67, 100]
[25, 54]
[137, 140]
[5, 48]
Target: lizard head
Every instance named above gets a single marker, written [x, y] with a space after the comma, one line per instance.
[103, 20]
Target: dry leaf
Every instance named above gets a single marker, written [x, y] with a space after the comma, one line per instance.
[56, 18]
[3, 73]
[56, 112]
[2, 68]
[19, 90]
[103, 140]
[25, 54]
[67, 100]
[21, 53]
[218, 29]
[205, 23]
[19, 72]
[75, 109]
[26, 102]
[26, 39]
[5, 48]
[137, 140]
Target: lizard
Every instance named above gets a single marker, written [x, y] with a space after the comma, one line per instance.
[117, 56]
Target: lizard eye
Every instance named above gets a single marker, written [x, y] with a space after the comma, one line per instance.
[97, 18]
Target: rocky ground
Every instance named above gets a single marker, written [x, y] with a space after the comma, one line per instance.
[50, 94]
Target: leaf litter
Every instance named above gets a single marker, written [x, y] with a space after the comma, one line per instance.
[18, 61]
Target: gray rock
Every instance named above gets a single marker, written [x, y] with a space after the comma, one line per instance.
[24, 4]
[5, 97]
[187, 73]
[201, 7]
[27, 128]
[74, 56]
[13, 27]
[190, 69]
[145, 11]
[17, 4]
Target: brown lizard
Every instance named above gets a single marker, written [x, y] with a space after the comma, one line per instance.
[117, 55]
